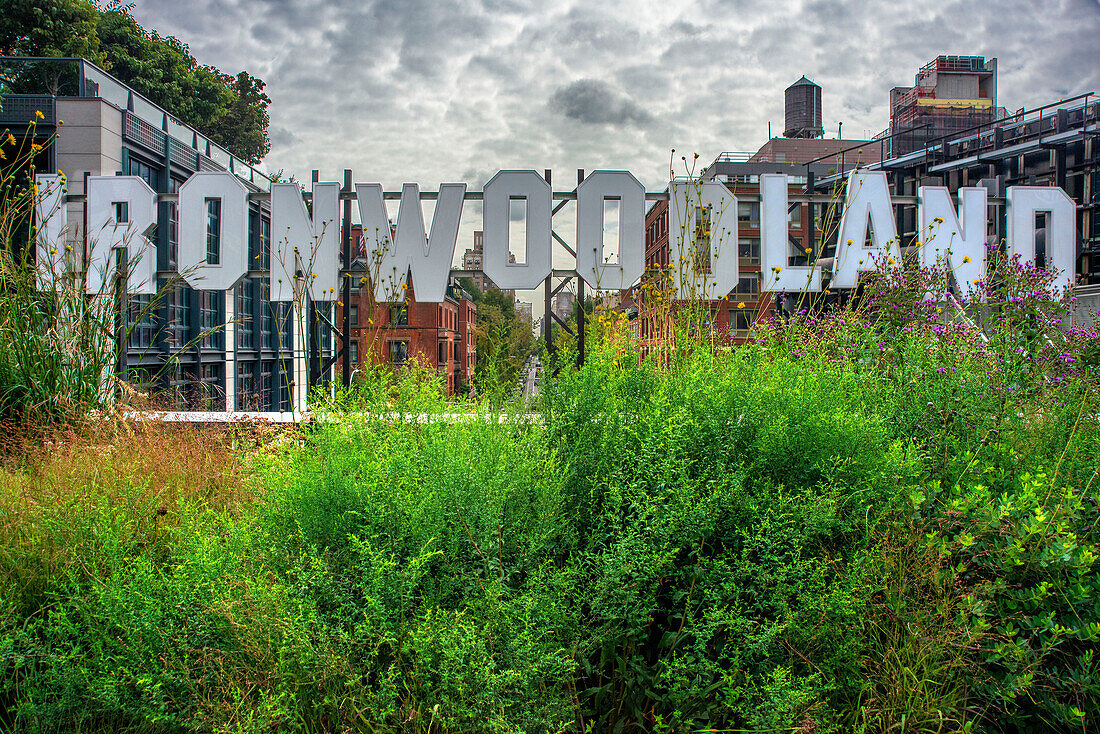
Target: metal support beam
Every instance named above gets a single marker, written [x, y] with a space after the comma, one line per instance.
[580, 295]
[345, 315]
[313, 343]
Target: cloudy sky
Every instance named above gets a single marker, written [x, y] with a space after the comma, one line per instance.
[431, 91]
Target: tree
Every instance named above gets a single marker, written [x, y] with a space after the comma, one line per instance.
[243, 126]
[504, 340]
[47, 28]
[50, 28]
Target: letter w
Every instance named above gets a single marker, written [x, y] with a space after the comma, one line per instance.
[391, 256]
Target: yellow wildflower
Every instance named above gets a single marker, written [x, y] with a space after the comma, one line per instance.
[11, 139]
[966, 259]
[741, 304]
[39, 115]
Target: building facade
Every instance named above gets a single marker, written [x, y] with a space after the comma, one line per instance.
[949, 94]
[472, 263]
[188, 348]
[440, 335]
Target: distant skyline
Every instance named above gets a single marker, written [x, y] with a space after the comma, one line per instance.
[412, 90]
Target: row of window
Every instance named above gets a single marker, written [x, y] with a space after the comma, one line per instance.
[398, 351]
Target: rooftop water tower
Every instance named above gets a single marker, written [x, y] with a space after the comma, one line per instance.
[802, 113]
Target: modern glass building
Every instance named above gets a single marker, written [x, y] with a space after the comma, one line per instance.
[193, 349]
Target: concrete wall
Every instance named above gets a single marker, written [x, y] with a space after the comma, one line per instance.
[90, 142]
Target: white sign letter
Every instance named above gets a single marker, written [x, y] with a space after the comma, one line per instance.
[429, 257]
[1024, 202]
[591, 194]
[213, 249]
[301, 246]
[942, 235]
[867, 198]
[50, 215]
[697, 239]
[499, 193]
[122, 211]
[775, 245]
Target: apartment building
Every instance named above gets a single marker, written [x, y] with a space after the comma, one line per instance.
[189, 348]
[441, 335]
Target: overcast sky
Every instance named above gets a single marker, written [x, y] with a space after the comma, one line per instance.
[414, 90]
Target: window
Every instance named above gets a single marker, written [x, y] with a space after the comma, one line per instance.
[399, 352]
[148, 174]
[141, 322]
[122, 212]
[748, 248]
[442, 356]
[399, 315]
[285, 325]
[353, 315]
[266, 383]
[794, 215]
[748, 286]
[179, 327]
[748, 213]
[209, 318]
[265, 242]
[211, 386]
[173, 216]
[246, 388]
[213, 231]
[353, 355]
[267, 320]
[243, 316]
[740, 320]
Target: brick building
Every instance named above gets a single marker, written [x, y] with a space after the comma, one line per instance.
[440, 335]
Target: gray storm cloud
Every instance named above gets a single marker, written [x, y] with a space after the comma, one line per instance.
[594, 102]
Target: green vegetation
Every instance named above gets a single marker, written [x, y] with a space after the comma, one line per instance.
[504, 340]
[232, 110]
[850, 524]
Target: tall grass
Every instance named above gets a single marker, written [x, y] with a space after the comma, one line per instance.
[57, 343]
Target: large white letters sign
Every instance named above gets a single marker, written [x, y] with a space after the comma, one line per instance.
[500, 191]
[702, 238]
[428, 257]
[702, 228]
[49, 210]
[599, 187]
[943, 236]
[301, 247]
[775, 243]
[867, 202]
[1024, 202]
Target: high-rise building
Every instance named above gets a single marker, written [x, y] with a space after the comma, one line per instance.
[949, 94]
[473, 262]
[562, 304]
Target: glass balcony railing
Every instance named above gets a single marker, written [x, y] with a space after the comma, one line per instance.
[33, 83]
